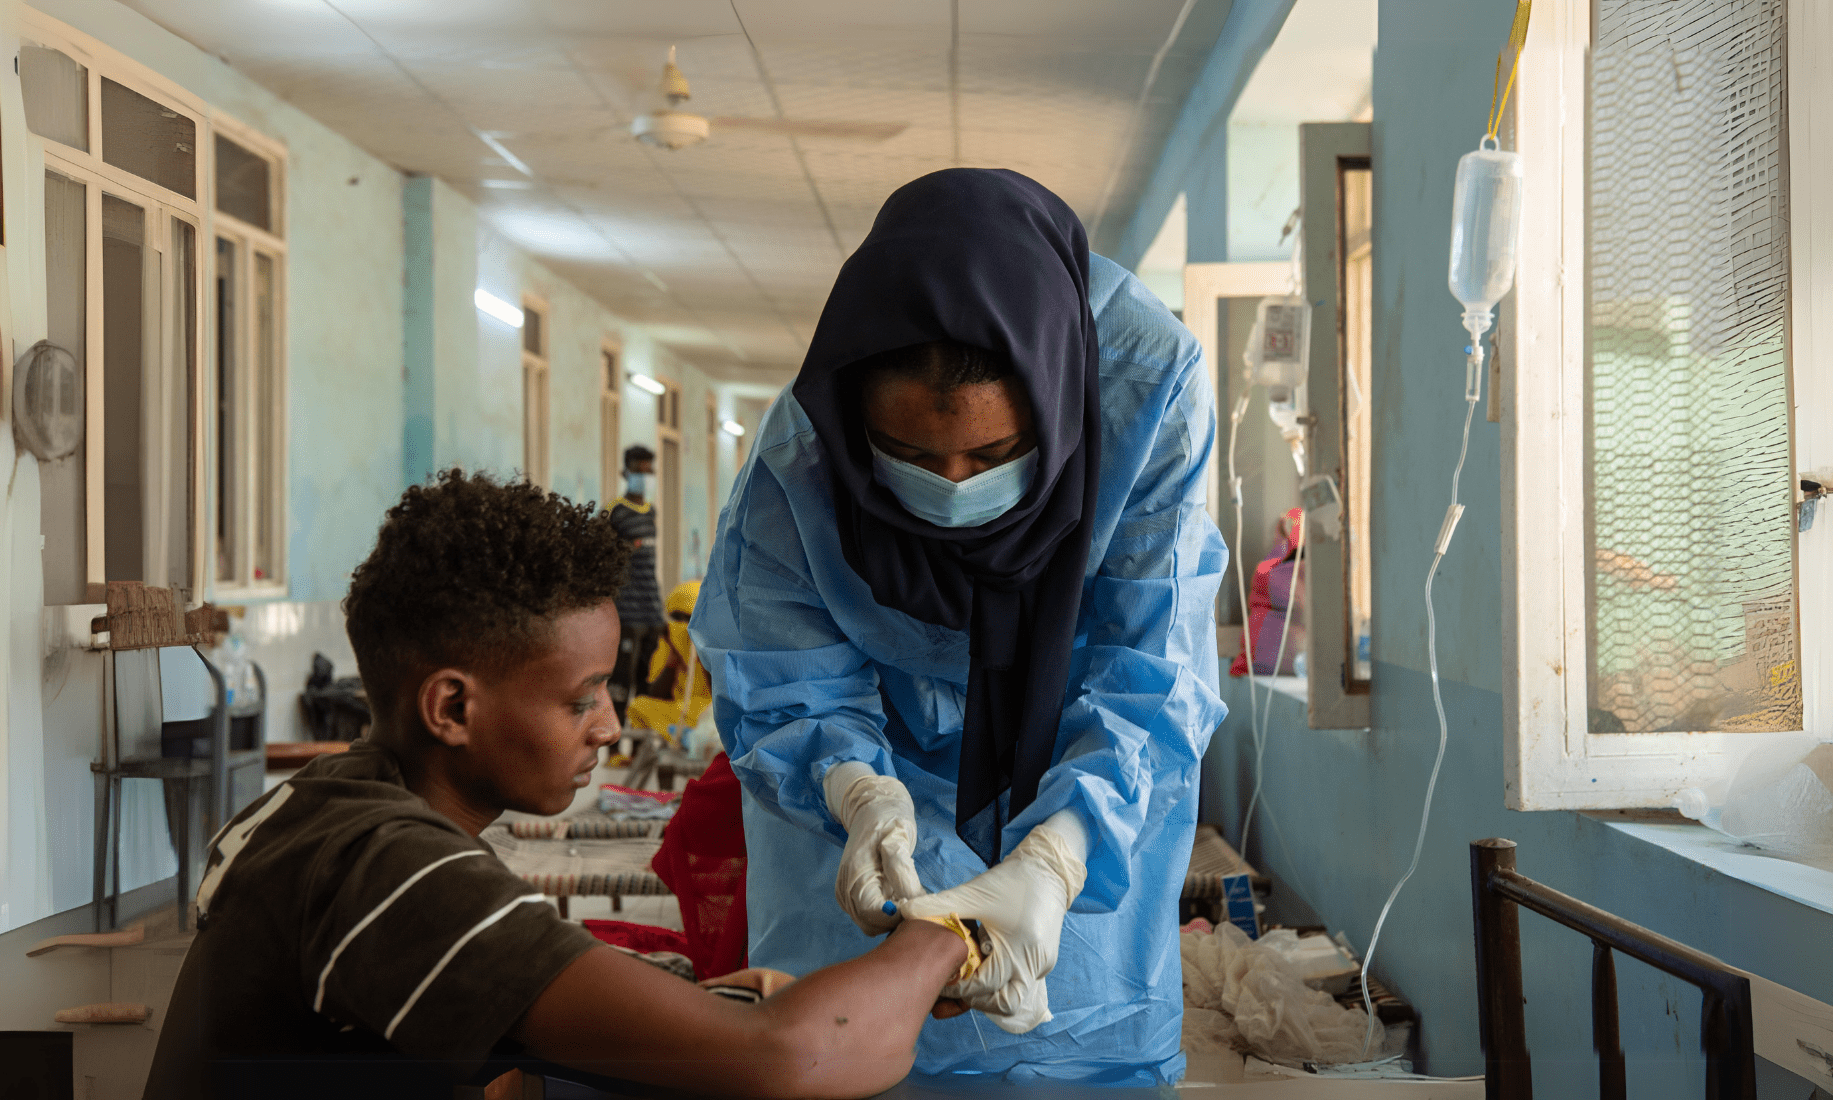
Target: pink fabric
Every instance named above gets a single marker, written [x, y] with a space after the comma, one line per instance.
[1271, 597]
[643, 938]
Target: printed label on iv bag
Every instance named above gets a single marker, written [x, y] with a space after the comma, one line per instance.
[1280, 342]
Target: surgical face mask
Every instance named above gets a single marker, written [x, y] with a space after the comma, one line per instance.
[636, 484]
[986, 495]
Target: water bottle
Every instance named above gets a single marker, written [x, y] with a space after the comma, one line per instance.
[1780, 801]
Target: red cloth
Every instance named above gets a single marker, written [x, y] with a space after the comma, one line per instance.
[643, 938]
[1271, 598]
[702, 860]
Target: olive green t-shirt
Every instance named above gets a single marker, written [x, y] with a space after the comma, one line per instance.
[353, 940]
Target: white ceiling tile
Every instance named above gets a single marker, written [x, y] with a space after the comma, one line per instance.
[1114, 25]
[676, 19]
[741, 230]
[881, 19]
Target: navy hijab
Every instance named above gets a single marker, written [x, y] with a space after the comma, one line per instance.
[993, 259]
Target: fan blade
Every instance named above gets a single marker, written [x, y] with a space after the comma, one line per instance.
[791, 127]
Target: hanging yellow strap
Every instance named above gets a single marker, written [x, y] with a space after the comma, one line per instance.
[1498, 97]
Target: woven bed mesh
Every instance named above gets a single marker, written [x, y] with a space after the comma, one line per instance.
[1691, 564]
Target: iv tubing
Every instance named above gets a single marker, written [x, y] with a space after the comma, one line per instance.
[1279, 659]
[1438, 701]
[1247, 634]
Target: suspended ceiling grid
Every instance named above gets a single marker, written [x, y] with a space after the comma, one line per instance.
[724, 250]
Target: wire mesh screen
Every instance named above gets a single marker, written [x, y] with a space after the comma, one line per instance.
[1691, 569]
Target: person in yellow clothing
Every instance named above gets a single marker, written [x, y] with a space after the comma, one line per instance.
[668, 701]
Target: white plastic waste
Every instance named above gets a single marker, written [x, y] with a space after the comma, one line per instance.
[1781, 800]
[1247, 996]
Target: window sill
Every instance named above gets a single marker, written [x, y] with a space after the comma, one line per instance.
[1810, 884]
[222, 595]
[1292, 687]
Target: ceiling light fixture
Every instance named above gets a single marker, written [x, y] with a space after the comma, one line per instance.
[644, 382]
[496, 307]
[732, 428]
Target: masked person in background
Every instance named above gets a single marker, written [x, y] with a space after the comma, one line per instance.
[960, 623]
[671, 702]
[639, 602]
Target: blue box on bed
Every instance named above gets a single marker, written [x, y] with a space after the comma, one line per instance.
[1238, 904]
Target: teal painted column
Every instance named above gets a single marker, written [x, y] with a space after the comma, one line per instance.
[417, 330]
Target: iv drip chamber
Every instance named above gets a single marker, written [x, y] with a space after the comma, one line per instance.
[1485, 227]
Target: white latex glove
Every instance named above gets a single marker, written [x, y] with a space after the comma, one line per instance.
[1020, 903]
[877, 867]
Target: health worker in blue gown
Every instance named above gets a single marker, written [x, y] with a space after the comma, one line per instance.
[960, 625]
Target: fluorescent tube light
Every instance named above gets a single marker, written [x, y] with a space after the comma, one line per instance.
[644, 382]
[497, 308]
[732, 427]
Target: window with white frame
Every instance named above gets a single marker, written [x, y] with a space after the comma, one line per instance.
[1336, 183]
[1669, 588]
[712, 478]
[610, 421]
[535, 446]
[124, 294]
[1220, 304]
[248, 522]
[669, 452]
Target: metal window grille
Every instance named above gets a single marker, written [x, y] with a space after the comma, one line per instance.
[1691, 572]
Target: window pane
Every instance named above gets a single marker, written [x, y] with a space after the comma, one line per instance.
[148, 139]
[63, 496]
[534, 422]
[228, 393]
[609, 460]
[1691, 556]
[181, 397]
[56, 93]
[266, 442]
[242, 184]
[125, 409]
[668, 548]
[1358, 375]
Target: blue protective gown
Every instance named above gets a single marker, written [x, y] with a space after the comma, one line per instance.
[809, 671]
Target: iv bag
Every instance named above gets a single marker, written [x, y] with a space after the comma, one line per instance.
[1280, 343]
[1485, 227]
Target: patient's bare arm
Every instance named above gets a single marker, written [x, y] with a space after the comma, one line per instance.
[848, 1030]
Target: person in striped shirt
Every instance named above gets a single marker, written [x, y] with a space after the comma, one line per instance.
[355, 938]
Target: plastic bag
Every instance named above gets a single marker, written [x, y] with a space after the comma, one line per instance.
[1241, 995]
[1781, 800]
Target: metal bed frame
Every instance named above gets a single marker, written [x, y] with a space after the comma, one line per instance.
[1499, 892]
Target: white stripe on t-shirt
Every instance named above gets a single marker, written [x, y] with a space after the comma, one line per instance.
[447, 957]
[318, 1002]
[234, 840]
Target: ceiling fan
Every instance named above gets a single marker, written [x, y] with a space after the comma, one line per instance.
[670, 128]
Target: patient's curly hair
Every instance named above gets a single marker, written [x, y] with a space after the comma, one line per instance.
[470, 572]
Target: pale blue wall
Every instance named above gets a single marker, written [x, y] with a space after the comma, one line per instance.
[1347, 802]
[464, 368]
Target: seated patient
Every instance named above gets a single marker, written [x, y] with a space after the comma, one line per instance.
[356, 938]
